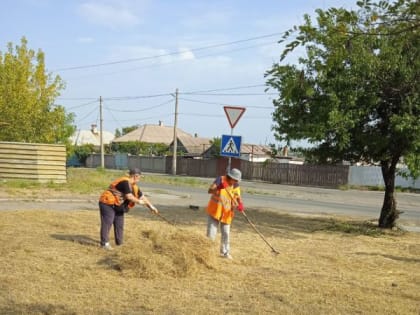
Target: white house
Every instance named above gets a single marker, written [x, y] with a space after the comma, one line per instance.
[92, 136]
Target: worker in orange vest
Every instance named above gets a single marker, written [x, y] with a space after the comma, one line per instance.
[121, 195]
[225, 197]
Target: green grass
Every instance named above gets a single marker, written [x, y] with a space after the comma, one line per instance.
[357, 228]
[89, 180]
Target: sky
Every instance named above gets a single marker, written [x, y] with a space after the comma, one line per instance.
[135, 54]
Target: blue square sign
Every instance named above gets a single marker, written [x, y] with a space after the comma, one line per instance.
[231, 146]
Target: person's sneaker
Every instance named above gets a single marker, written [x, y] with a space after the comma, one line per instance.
[106, 246]
[226, 256]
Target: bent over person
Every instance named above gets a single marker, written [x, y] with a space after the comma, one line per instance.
[122, 194]
[225, 197]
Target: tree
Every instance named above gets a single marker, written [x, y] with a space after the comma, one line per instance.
[27, 95]
[354, 95]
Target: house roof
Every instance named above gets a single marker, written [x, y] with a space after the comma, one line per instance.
[81, 137]
[152, 134]
[194, 145]
[255, 149]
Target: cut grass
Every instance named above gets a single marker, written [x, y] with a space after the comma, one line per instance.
[51, 263]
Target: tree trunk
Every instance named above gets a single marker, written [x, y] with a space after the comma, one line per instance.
[389, 212]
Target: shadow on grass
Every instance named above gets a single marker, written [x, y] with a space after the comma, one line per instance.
[270, 223]
[81, 239]
[35, 308]
[403, 259]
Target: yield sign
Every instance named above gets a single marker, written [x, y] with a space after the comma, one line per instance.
[233, 114]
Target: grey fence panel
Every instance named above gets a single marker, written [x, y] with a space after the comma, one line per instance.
[121, 161]
[153, 164]
[197, 167]
[94, 160]
[372, 176]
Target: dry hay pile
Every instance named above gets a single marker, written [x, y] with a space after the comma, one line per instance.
[164, 252]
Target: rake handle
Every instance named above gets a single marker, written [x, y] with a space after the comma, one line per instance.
[252, 224]
[259, 233]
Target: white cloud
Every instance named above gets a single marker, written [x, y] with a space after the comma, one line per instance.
[186, 54]
[109, 15]
[149, 55]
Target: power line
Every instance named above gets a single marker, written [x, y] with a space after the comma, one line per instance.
[220, 116]
[167, 54]
[225, 89]
[134, 97]
[127, 98]
[150, 117]
[168, 62]
[87, 115]
[77, 98]
[81, 105]
[139, 110]
[234, 94]
[218, 103]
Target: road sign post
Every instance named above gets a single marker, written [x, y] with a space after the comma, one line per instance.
[233, 114]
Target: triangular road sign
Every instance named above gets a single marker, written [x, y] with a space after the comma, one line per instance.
[233, 114]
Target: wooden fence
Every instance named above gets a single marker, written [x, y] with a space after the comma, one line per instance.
[301, 175]
[276, 173]
[32, 161]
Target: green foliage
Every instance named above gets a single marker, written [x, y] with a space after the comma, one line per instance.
[139, 148]
[27, 95]
[216, 144]
[83, 151]
[355, 228]
[126, 130]
[355, 94]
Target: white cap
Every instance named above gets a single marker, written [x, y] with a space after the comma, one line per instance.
[235, 174]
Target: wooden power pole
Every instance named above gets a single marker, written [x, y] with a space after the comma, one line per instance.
[175, 142]
[101, 132]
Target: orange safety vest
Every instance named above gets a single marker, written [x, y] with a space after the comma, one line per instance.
[114, 197]
[220, 204]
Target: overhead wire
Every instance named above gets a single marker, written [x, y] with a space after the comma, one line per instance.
[167, 54]
[140, 110]
[218, 103]
[125, 98]
[87, 115]
[168, 62]
[135, 97]
[234, 94]
[204, 92]
[82, 105]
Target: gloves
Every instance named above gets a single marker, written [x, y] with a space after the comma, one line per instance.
[154, 209]
[240, 207]
[222, 185]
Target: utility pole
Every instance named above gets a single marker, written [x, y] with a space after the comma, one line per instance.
[175, 142]
[101, 133]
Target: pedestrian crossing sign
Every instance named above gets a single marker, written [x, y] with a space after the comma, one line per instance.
[231, 146]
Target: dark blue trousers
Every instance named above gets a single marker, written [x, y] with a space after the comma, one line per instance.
[109, 218]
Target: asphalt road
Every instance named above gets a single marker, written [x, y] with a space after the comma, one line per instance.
[301, 200]
[256, 195]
